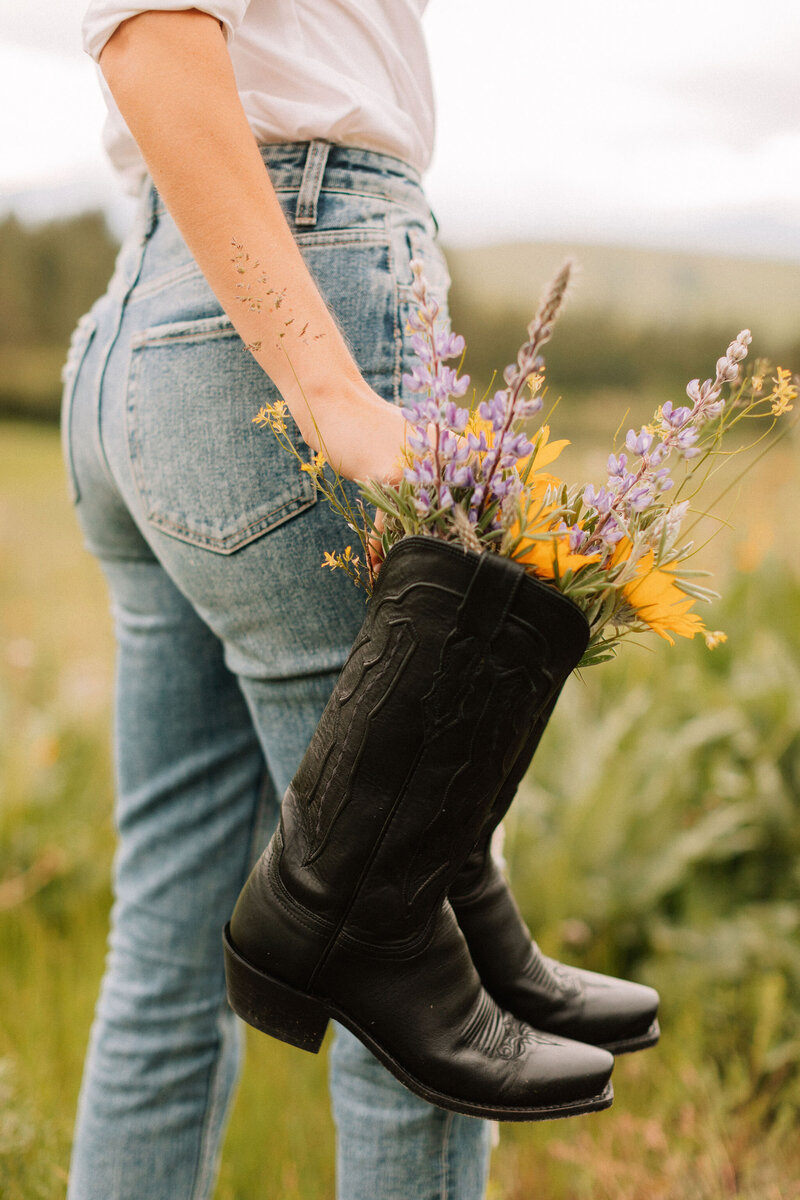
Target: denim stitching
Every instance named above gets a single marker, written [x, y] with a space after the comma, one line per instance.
[216, 1099]
[445, 1158]
[148, 220]
[79, 346]
[144, 291]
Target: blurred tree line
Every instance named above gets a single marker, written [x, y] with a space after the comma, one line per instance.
[52, 273]
[594, 353]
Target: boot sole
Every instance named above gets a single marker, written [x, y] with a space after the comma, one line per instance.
[628, 1045]
[301, 1020]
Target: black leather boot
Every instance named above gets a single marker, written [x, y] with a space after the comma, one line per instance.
[345, 915]
[613, 1013]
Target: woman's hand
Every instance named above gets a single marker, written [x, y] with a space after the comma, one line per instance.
[362, 436]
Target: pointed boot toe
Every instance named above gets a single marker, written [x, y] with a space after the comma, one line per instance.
[616, 1014]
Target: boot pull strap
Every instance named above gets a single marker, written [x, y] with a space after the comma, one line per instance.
[489, 596]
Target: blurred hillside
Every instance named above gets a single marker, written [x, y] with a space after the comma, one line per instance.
[640, 323]
[638, 326]
[652, 287]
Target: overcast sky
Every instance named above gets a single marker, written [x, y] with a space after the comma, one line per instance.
[620, 121]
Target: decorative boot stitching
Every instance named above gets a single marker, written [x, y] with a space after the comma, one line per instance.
[572, 979]
[457, 744]
[385, 667]
[498, 1034]
[544, 973]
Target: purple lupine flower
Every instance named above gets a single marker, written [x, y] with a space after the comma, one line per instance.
[686, 438]
[477, 442]
[693, 391]
[459, 476]
[421, 472]
[528, 408]
[609, 531]
[451, 384]
[577, 538]
[501, 485]
[422, 348]
[640, 497]
[713, 408]
[418, 440]
[455, 416]
[600, 499]
[622, 486]
[419, 380]
[477, 498]
[617, 466]
[639, 443]
[675, 417]
[448, 345]
[727, 370]
[516, 446]
[495, 410]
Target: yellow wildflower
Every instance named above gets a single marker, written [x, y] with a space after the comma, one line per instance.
[656, 598]
[784, 393]
[546, 452]
[273, 415]
[545, 556]
[315, 466]
[714, 638]
[330, 560]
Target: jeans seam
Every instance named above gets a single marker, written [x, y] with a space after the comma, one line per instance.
[445, 1156]
[209, 1151]
[149, 218]
[215, 1091]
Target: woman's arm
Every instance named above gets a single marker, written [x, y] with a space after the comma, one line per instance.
[172, 79]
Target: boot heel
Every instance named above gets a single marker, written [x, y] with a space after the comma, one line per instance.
[273, 1007]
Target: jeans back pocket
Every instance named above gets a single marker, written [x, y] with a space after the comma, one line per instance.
[204, 472]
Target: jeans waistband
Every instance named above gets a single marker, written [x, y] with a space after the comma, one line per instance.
[310, 167]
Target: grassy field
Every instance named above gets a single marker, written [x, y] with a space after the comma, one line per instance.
[658, 835]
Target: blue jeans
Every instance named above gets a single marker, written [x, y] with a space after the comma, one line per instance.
[230, 637]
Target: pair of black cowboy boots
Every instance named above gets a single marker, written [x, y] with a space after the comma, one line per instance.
[377, 902]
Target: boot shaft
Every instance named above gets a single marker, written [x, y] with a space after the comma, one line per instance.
[457, 655]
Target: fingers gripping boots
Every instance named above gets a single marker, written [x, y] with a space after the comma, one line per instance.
[345, 914]
[598, 1009]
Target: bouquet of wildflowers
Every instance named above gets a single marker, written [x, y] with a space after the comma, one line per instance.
[481, 477]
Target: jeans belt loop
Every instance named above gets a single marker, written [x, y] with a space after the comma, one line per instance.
[316, 158]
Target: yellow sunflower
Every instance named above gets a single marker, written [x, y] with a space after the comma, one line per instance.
[545, 556]
[656, 598]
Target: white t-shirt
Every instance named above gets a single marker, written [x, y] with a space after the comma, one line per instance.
[354, 72]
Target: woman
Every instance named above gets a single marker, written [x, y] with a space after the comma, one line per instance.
[272, 257]
[230, 636]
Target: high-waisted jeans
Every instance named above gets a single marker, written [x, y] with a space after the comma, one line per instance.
[230, 636]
